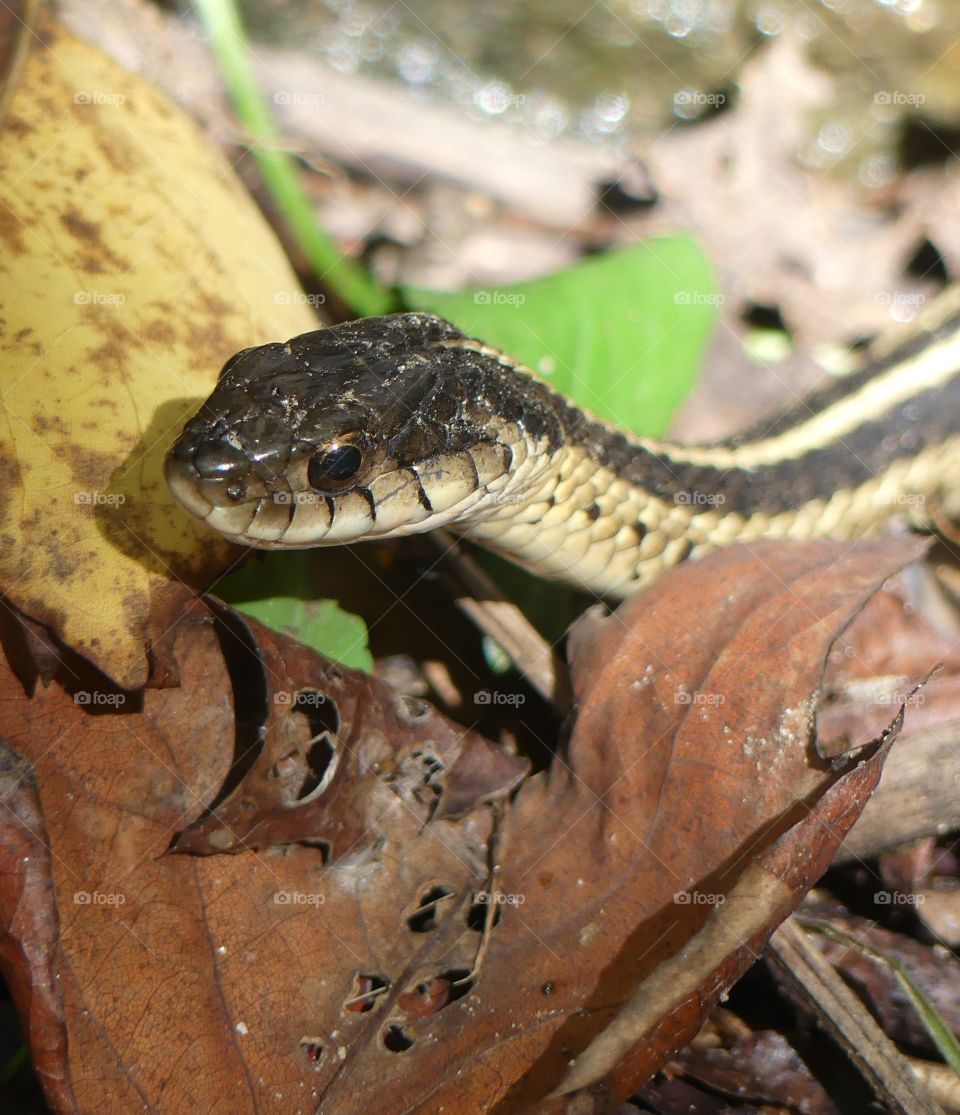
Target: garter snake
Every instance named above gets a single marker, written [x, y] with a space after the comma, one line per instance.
[395, 425]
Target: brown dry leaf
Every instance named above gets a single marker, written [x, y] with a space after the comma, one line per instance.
[133, 265]
[875, 666]
[466, 951]
[232, 982]
[454, 954]
[685, 847]
[337, 754]
[29, 927]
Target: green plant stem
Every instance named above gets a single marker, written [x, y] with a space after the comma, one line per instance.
[347, 279]
[12, 1068]
[940, 1033]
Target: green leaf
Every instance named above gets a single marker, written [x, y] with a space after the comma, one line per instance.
[278, 590]
[623, 334]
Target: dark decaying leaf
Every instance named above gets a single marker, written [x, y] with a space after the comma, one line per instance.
[464, 950]
[29, 926]
[759, 1067]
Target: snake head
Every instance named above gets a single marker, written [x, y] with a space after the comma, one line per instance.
[356, 431]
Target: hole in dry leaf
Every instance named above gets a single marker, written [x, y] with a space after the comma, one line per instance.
[460, 981]
[320, 711]
[432, 995]
[432, 765]
[367, 990]
[396, 1039]
[248, 684]
[927, 263]
[420, 774]
[425, 999]
[425, 917]
[925, 142]
[312, 1049]
[320, 755]
[325, 846]
[478, 916]
[433, 769]
[632, 190]
[761, 316]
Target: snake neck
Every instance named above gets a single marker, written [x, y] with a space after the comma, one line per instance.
[610, 512]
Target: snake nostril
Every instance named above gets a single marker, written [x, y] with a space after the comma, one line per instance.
[219, 460]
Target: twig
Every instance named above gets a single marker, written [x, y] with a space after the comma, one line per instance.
[347, 279]
[851, 1024]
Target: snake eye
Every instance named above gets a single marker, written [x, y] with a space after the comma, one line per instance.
[334, 466]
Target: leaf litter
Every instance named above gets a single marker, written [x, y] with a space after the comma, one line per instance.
[395, 905]
[488, 947]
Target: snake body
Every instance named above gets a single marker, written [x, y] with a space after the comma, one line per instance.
[400, 424]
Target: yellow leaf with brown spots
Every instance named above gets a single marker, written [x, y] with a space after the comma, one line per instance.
[132, 265]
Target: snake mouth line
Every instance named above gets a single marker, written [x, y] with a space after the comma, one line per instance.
[186, 492]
